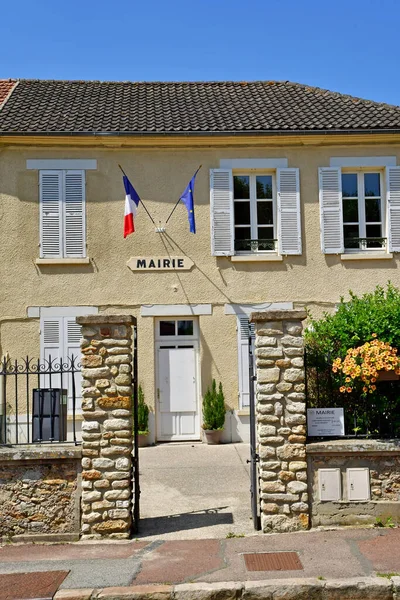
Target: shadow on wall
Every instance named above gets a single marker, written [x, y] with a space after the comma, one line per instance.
[185, 521]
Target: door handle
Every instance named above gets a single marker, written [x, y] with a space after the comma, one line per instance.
[158, 393]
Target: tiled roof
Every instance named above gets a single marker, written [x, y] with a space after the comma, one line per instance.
[200, 107]
[6, 86]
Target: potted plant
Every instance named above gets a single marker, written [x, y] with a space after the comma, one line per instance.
[143, 419]
[213, 413]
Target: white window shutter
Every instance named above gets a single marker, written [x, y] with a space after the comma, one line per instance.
[393, 202]
[289, 218]
[74, 214]
[72, 337]
[50, 185]
[331, 212]
[221, 202]
[243, 359]
[51, 342]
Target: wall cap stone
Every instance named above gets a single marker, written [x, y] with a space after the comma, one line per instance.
[40, 452]
[354, 446]
[278, 315]
[106, 320]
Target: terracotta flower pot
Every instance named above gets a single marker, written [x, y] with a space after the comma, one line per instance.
[143, 440]
[387, 376]
[213, 436]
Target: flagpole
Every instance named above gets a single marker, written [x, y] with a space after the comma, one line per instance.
[141, 201]
[172, 211]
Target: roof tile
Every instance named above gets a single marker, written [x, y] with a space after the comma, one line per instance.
[37, 106]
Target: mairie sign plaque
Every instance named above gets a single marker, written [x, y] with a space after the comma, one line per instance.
[325, 422]
[160, 263]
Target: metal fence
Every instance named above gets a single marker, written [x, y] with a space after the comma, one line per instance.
[40, 400]
[374, 415]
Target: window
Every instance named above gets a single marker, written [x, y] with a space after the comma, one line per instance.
[172, 328]
[255, 212]
[360, 211]
[254, 199]
[363, 211]
[62, 214]
[60, 340]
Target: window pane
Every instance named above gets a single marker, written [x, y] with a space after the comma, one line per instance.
[350, 211]
[351, 231]
[372, 184]
[185, 327]
[264, 186]
[349, 185]
[242, 213]
[242, 233]
[241, 187]
[374, 231]
[372, 209]
[265, 213]
[167, 327]
[265, 238]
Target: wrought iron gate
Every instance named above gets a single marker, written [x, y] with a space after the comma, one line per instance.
[254, 457]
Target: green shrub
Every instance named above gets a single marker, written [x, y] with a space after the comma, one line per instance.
[214, 407]
[326, 339]
[143, 413]
[355, 321]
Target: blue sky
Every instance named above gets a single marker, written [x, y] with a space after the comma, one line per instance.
[350, 46]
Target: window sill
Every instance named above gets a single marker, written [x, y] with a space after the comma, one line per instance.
[62, 261]
[367, 256]
[243, 412]
[257, 258]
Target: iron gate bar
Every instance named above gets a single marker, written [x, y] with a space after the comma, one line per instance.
[254, 457]
[136, 482]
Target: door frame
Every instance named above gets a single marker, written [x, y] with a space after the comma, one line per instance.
[177, 341]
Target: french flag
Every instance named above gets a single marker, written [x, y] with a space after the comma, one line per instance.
[131, 203]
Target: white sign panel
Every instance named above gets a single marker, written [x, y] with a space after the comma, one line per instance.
[325, 422]
[160, 263]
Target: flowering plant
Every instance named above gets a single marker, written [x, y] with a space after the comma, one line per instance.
[364, 362]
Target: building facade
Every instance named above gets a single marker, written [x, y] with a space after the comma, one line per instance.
[296, 203]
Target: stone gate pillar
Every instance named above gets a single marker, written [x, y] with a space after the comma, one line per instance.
[107, 425]
[281, 419]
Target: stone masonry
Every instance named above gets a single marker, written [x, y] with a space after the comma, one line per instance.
[281, 420]
[107, 425]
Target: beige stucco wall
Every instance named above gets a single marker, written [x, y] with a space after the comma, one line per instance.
[160, 175]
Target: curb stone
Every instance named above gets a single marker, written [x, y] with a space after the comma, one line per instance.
[356, 588]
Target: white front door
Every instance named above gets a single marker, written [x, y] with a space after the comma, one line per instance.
[177, 398]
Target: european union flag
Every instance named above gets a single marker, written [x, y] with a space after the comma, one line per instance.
[188, 200]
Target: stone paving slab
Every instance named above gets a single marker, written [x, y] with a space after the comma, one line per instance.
[37, 552]
[29, 586]
[173, 562]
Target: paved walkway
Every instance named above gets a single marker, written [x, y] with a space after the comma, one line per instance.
[194, 491]
[324, 555]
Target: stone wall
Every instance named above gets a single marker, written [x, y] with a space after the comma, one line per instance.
[107, 426]
[382, 458]
[281, 419]
[40, 491]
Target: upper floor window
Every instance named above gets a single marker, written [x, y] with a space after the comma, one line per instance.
[363, 211]
[360, 210]
[62, 214]
[255, 212]
[254, 199]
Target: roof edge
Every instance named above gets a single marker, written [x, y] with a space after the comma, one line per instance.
[267, 132]
[16, 82]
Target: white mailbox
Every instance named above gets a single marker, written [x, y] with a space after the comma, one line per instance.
[330, 488]
[358, 487]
